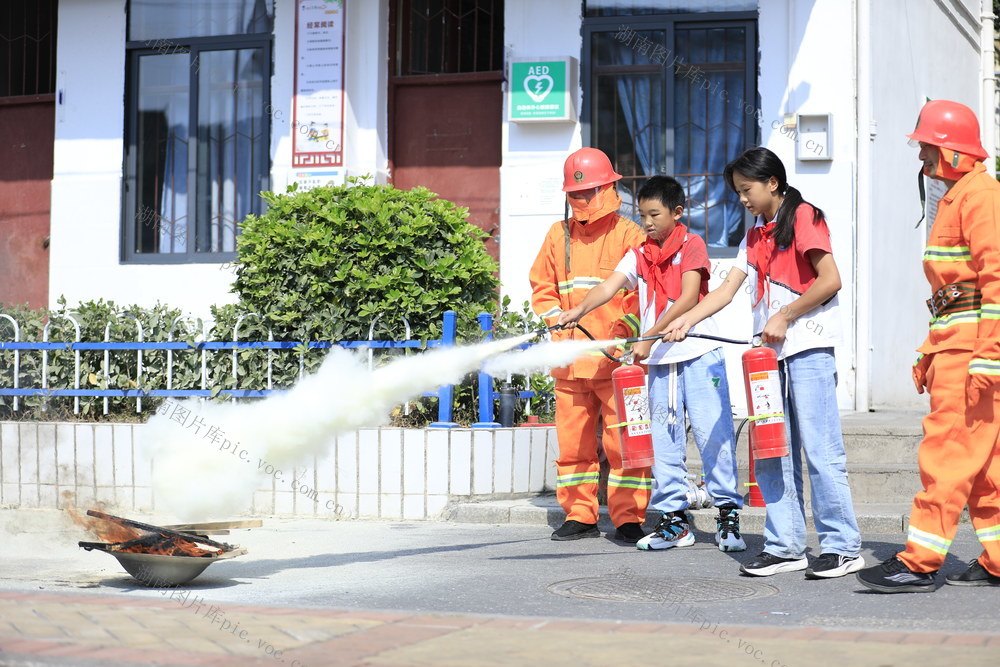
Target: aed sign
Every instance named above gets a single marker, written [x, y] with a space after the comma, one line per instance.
[540, 90]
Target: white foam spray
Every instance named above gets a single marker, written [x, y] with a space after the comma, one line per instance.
[211, 457]
[545, 355]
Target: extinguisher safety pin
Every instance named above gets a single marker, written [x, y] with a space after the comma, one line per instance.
[635, 423]
[769, 415]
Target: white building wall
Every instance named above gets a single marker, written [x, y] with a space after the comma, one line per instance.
[86, 188]
[531, 196]
[87, 176]
[916, 52]
[365, 79]
[807, 67]
[797, 75]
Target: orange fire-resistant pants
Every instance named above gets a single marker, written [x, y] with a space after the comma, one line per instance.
[578, 405]
[959, 463]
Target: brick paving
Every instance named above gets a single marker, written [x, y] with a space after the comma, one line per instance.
[50, 628]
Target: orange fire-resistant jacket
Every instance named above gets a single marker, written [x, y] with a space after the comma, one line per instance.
[964, 246]
[594, 250]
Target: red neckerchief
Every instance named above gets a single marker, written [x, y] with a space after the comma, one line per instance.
[763, 250]
[651, 264]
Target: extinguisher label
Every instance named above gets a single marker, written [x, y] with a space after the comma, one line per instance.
[765, 395]
[637, 410]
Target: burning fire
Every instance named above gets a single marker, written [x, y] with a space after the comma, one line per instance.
[120, 536]
[164, 545]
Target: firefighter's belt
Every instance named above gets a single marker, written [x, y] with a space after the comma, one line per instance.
[954, 298]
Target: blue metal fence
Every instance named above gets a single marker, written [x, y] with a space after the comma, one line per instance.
[445, 394]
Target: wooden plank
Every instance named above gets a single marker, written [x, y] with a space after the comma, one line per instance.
[158, 529]
[216, 527]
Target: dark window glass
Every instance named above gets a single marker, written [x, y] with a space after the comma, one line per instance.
[710, 130]
[449, 36]
[649, 7]
[27, 47]
[668, 95]
[197, 153]
[169, 19]
[161, 153]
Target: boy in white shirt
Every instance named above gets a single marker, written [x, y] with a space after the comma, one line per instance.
[671, 272]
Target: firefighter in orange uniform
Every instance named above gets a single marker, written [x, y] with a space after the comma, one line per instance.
[578, 254]
[959, 363]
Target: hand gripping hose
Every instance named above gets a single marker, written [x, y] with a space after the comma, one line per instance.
[637, 339]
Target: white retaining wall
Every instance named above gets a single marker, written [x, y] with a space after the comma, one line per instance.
[389, 473]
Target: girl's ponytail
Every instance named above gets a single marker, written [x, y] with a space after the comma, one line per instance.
[760, 164]
[784, 234]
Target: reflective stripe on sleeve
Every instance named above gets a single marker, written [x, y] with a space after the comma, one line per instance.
[984, 367]
[554, 312]
[579, 282]
[633, 322]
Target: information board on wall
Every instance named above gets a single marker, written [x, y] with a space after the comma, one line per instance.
[309, 179]
[318, 101]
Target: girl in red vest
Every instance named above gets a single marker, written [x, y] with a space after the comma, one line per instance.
[793, 286]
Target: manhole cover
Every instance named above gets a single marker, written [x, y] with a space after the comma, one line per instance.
[616, 588]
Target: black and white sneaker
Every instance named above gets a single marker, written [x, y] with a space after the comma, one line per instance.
[976, 575]
[727, 534]
[892, 576]
[831, 565]
[672, 531]
[767, 564]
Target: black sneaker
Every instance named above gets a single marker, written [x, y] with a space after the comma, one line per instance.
[976, 575]
[831, 565]
[892, 576]
[630, 532]
[574, 530]
[727, 533]
[767, 564]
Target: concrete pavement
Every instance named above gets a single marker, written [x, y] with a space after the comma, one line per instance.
[315, 592]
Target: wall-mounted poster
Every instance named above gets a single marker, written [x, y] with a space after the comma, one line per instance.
[318, 104]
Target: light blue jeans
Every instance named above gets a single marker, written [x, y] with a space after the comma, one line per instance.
[812, 424]
[699, 387]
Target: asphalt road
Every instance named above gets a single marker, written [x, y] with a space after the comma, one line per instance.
[499, 570]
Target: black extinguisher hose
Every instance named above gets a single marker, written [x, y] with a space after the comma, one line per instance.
[637, 339]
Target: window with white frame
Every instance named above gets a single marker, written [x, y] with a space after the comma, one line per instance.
[197, 139]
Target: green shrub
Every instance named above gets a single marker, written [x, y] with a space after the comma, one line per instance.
[320, 265]
[324, 264]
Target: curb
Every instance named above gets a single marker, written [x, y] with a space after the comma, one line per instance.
[883, 519]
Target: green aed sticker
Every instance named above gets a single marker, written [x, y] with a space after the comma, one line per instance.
[538, 90]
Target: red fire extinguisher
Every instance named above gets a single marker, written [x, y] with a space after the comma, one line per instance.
[765, 409]
[632, 403]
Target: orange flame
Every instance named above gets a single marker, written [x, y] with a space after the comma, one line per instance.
[117, 533]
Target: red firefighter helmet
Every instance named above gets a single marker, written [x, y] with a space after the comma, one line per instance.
[588, 168]
[950, 125]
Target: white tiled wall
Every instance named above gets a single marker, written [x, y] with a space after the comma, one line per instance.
[382, 473]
